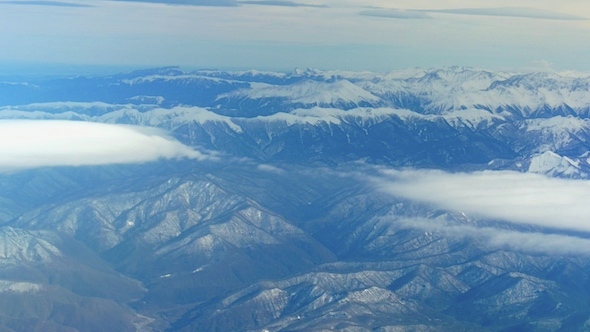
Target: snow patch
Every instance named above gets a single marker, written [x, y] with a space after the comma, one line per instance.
[550, 163]
[308, 92]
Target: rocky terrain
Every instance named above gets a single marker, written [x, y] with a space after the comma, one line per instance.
[301, 220]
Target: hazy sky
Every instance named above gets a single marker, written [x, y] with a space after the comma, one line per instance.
[325, 34]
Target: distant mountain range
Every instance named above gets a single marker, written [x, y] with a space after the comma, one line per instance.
[286, 229]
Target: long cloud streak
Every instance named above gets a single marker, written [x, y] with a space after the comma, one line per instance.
[516, 12]
[517, 197]
[30, 144]
[500, 238]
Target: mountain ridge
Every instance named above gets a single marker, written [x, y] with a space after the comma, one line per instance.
[289, 227]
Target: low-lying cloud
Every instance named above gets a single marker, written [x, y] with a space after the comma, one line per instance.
[26, 144]
[503, 195]
[501, 238]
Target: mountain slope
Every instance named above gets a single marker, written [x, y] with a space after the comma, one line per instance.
[287, 226]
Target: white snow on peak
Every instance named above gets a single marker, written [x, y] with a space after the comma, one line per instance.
[361, 116]
[552, 164]
[8, 113]
[62, 105]
[169, 118]
[291, 119]
[454, 88]
[308, 92]
[443, 89]
[144, 99]
[366, 117]
[556, 132]
[458, 79]
[146, 115]
[186, 77]
[557, 124]
[472, 118]
[240, 73]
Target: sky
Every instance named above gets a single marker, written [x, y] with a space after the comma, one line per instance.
[375, 35]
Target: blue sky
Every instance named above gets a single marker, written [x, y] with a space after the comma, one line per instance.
[280, 35]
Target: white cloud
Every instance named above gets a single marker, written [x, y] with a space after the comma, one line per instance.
[270, 169]
[30, 144]
[517, 197]
[500, 238]
[190, 2]
[44, 3]
[519, 12]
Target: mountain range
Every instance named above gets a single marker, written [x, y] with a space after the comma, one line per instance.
[299, 220]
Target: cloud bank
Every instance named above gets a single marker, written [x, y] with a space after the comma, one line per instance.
[26, 144]
[511, 196]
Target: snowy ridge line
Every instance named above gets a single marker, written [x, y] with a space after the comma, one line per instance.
[425, 91]
[177, 116]
[436, 91]
[153, 78]
[557, 127]
[308, 92]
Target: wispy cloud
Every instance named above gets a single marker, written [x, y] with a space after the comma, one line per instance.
[28, 144]
[518, 12]
[46, 3]
[521, 12]
[395, 13]
[280, 3]
[283, 34]
[506, 239]
[511, 196]
[270, 169]
[213, 3]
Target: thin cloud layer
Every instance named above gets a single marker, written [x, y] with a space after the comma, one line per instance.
[500, 238]
[517, 12]
[511, 196]
[395, 13]
[45, 3]
[280, 3]
[283, 34]
[213, 3]
[26, 144]
[512, 12]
